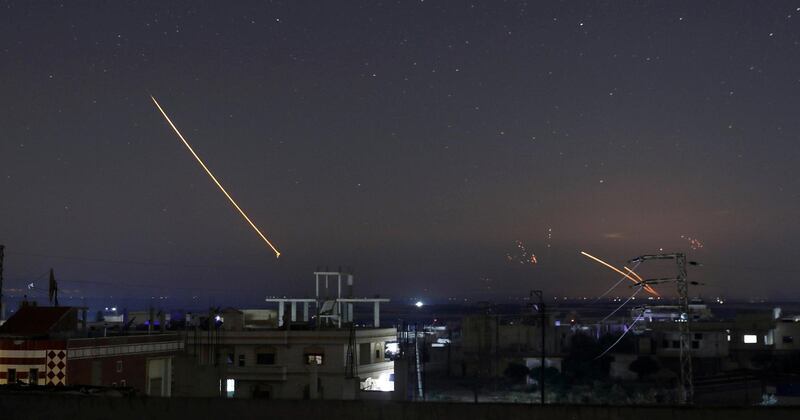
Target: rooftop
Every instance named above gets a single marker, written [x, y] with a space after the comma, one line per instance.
[34, 321]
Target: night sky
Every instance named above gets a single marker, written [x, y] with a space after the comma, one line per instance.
[416, 141]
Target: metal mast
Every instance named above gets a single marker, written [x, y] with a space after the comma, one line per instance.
[543, 324]
[686, 387]
[2, 307]
[350, 370]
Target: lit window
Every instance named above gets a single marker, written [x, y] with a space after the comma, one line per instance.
[750, 339]
[230, 387]
[314, 359]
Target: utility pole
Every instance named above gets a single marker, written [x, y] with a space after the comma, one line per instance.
[2, 304]
[686, 386]
[543, 325]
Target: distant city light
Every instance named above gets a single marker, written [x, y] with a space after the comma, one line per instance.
[419, 304]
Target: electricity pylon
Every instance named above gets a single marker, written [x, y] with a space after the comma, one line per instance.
[686, 387]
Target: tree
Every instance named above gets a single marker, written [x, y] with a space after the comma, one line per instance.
[516, 372]
[550, 373]
[581, 363]
[643, 366]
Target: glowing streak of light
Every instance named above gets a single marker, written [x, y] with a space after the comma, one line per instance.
[586, 254]
[620, 338]
[213, 178]
[614, 286]
[638, 289]
[648, 288]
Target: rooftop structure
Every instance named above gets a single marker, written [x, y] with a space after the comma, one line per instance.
[311, 350]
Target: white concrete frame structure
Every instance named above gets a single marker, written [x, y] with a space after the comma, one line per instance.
[343, 305]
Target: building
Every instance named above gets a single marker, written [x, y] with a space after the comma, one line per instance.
[293, 353]
[49, 346]
[490, 342]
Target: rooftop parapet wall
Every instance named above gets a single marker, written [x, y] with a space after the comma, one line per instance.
[90, 408]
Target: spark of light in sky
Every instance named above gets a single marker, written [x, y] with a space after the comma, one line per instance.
[586, 254]
[524, 256]
[694, 243]
[213, 178]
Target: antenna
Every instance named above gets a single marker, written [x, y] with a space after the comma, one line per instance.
[52, 292]
[686, 390]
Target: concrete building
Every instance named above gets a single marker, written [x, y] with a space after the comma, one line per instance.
[489, 343]
[46, 346]
[310, 348]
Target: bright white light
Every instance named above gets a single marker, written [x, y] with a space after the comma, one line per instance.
[419, 304]
[384, 383]
[219, 318]
[230, 387]
[114, 309]
[750, 339]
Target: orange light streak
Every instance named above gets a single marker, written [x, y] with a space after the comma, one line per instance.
[627, 276]
[213, 178]
[648, 288]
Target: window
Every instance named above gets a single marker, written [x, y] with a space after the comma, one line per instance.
[314, 358]
[788, 339]
[119, 366]
[676, 344]
[241, 360]
[12, 376]
[123, 383]
[378, 354]
[750, 339]
[265, 358]
[698, 336]
[695, 344]
[33, 377]
[665, 344]
[229, 359]
[230, 387]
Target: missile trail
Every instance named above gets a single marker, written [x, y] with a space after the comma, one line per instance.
[213, 178]
[586, 254]
[647, 287]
